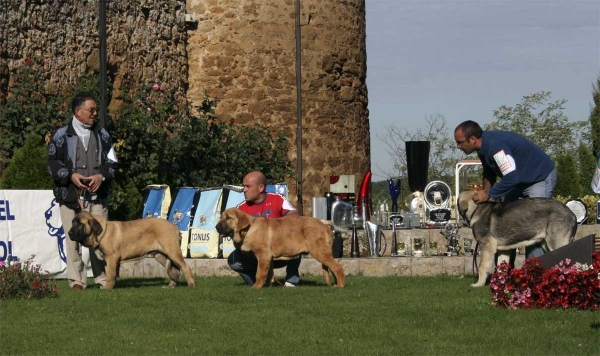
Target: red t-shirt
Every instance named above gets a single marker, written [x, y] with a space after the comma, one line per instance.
[274, 206]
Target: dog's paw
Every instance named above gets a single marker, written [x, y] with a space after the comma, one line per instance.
[477, 285]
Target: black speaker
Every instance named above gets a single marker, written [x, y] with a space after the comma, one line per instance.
[577, 251]
[417, 164]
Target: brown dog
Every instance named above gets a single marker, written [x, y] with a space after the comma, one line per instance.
[281, 238]
[120, 241]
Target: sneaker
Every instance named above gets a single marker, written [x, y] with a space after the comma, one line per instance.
[288, 284]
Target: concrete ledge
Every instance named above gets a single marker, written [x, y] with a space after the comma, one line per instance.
[367, 266]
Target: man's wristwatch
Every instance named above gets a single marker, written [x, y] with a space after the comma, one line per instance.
[102, 177]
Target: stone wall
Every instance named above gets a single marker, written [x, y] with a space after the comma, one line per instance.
[241, 52]
[146, 43]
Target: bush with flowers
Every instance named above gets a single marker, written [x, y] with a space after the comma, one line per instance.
[566, 285]
[159, 141]
[25, 281]
[158, 137]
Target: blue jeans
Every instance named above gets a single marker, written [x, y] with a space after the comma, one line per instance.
[541, 189]
[246, 265]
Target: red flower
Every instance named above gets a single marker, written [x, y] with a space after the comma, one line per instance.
[563, 286]
[28, 62]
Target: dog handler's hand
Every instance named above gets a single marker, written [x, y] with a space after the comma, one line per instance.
[96, 182]
[76, 179]
[481, 196]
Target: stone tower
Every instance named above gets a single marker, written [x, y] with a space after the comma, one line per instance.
[243, 53]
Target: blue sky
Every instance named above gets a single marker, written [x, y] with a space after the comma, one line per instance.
[463, 59]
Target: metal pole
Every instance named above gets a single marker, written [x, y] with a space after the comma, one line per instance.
[299, 109]
[103, 95]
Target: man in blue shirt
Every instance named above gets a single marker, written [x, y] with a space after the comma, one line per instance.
[525, 170]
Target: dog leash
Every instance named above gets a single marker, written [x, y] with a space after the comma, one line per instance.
[475, 251]
[79, 195]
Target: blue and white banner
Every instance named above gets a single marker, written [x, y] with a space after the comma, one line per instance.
[30, 225]
[204, 238]
[158, 199]
[234, 197]
[181, 213]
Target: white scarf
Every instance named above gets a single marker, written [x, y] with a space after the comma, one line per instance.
[82, 131]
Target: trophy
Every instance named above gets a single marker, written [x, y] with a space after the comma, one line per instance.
[356, 221]
[438, 198]
[401, 249]
[394, 193]
[418, 246]
[450, 233]
[468, 246]
[433, 248]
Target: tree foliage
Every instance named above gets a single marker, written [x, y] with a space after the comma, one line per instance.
[595, 119]
[29, 109]
[541, 121]
[586, 168]
[158, 144]
[567, 183]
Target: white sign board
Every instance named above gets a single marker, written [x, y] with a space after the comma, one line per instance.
[30, 225]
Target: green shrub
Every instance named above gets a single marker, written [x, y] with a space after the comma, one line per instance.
[126, 201]
[157, 143]
[28, 167]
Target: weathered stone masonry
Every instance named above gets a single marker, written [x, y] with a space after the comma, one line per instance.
[241, 52]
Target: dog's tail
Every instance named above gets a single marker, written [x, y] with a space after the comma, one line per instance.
[573, 232]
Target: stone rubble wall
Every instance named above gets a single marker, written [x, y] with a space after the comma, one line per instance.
[241, 52]
[146, 43]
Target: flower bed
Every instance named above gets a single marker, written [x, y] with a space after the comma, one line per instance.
[25, 281]
[565, 285]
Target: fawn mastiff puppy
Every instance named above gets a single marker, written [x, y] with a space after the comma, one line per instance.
[505, 226]
[281, 238]
[120, 241]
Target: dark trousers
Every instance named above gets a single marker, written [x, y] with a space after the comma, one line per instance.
[246, 265]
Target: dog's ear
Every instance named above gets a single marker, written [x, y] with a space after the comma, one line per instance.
[96, 227]
[464, 204]
[243, 221]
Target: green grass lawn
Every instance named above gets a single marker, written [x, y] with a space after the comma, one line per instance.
[370, 316]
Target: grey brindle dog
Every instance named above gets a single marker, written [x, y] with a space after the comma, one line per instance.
[505, 226]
